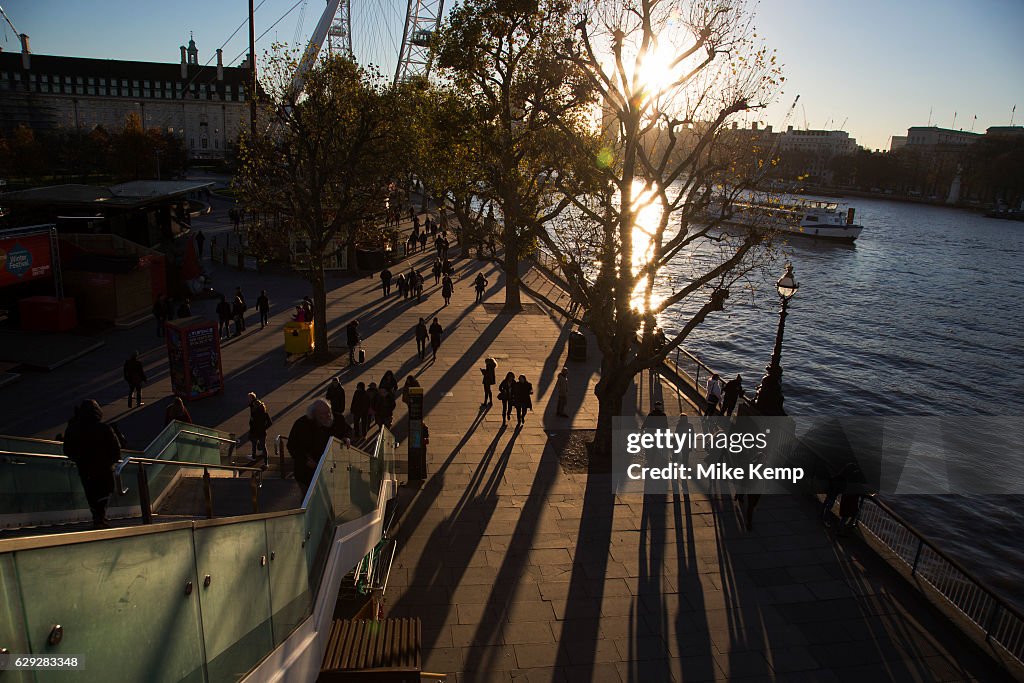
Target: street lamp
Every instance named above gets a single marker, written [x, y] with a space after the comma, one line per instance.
[768, 399]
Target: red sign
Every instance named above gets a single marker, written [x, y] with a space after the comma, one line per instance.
[23, 259]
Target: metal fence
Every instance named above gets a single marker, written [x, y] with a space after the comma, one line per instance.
[1000, 622]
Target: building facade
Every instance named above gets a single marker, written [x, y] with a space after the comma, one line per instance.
[205, 106]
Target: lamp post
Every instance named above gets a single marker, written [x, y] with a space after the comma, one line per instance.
[768, 399]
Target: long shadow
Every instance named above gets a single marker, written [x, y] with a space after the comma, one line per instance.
[475, 506]
[647, 652]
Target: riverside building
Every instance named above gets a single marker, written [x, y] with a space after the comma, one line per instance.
[205, 106]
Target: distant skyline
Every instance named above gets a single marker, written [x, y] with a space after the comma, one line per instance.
[877, 65]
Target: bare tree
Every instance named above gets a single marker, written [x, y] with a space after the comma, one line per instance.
[647, 193]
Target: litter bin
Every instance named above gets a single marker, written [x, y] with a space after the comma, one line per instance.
[577, 346]
[298, 338]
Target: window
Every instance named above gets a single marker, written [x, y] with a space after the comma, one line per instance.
[192, 143]
[124, 83]
[205, 143]
[92, 81]
[92, 90]
[145, 84]
[78, 80]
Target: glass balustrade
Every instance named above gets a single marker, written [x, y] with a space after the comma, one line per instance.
[184, 601]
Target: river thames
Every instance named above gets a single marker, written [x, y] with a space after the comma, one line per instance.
[924, 315]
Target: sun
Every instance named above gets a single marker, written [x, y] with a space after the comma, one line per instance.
[656, 69]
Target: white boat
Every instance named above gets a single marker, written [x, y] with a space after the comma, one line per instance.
[814, 219]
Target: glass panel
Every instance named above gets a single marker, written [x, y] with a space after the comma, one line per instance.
[236, 604]
[319, 531]
[12, 621]
[41, 484]
[291, 600]
[128, 592]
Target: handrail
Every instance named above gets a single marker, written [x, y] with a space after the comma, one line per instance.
[222, 439]
[50, 456]
[182, 463]
[959, 587]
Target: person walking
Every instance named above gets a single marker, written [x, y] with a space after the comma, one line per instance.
[200, 240]
[423, 241]
[353, 339]
[335, 395]
[263, 306]
[480, 284]
[505, 396]
[488, 371]
[240, 303]
[418, 286]
[385, 282]
[403, 285]
[224, 316]
[308, 440]
[177, 411]
[360, 410]
[563, 392]
[160, 313]
[435, 337]
[421, 337]
[259, 423]
[439, 245]
[447, 287]
[94, 448]
[521, 392]
[445, 245]
[714, 394]
[238, 314]
[447, 269]
[135, 376]
[410, 382]
[383, 407]
[436, 270]
[389, 383]
[730, 394]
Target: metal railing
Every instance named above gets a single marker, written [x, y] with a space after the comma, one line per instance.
[145, 501]
[1000, 622]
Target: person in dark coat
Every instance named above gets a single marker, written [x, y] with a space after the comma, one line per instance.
[480, 284]
[259, 423]
[389, 383]
[336, 396]
[418, 286]
[308, 440]
[238, 313]
[505, 396]
[353, 339]
[263, 306]
[135, 376]
[385, 281]
[224, 316]
[421, 337]
[447, 287]
[200, 240]
[490, 365]
[410, 382]
[521, 392]
[402, 285]
[730, 394]
[447, 268]
[436, 270]
[383, 407]
[94, 448]
[435, 336]
[423, 241]
[160, 312]
[360, 410]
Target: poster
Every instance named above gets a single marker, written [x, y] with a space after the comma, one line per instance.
[193, 357]
[23, 259]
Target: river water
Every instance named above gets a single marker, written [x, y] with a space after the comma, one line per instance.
[924, 315]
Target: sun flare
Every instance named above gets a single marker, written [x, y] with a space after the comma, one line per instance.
[656, 70]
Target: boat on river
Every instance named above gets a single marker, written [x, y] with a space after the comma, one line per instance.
[810, 218]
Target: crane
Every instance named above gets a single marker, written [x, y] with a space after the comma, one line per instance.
[9, 22]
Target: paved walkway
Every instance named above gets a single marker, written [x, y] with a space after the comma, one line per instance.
[520, 570]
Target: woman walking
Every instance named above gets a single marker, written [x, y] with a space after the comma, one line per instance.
[447, 287]
[435, 337]
[389, 383]
[421, 337]
[505, 396]
[488, 372]
[521, 392]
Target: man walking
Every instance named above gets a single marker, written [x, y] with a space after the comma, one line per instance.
[385, 281]
[730, 394]
[135, 376]
[263, 306]
[353, 339]
[336, 397]
[480, 284]
[259, 423]
[435, 337]
[94, 448]
[421, 338]
[200, 240]
[224, 316]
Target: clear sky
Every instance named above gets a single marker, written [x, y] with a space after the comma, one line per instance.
[879, 65]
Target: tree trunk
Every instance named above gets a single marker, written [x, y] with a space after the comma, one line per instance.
[610, 391]
[513, 300]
